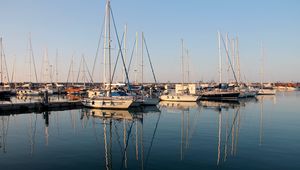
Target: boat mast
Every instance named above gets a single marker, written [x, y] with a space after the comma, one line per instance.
[137, 54]
[3, 70]
[125, 51]
[1, 51]
[31, 56]
[56, 67]
[238, 60]
[182, 64]
[188, 65]
[233, 53]
[13, 73]
[220, 58]
[104, 45]
[142, 70]
[109, 47]
[262, 66]
[151, 66]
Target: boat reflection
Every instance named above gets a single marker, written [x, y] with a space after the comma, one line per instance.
[4, 124]
[271, 98]
[131, 123]
[178, 105]
[228, 146]
[111, 114]
[217, 105]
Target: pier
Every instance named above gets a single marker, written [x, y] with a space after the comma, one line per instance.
[39, 106]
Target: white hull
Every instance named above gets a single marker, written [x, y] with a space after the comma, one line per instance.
[147, 101]
[246, 93]
[108, 102]
[179, 98]
[266, 92]
[27, 92]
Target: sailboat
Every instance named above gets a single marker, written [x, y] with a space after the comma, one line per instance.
[5, 90]
[147, 97]
[29, 89]
[184, 95]
[222, 92]
[107, 101]
[264, 90]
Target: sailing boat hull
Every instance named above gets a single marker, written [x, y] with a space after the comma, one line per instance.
[28, 92]
[266, 92]
[5, 94]
[220, 95]
[108, 102]
[179, 98]
[147, 101]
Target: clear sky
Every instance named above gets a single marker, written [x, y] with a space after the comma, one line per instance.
[73, 27]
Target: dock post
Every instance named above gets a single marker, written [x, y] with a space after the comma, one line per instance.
[46, 98]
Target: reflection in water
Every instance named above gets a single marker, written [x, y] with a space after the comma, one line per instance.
[132, 123]
[178, 105]
[3, 133]
[262, 99]
[185, 135]
[109, 119]
[267, 98]
[218, 105]
[188, 125]
[232, 129]
[32, 131]
[46, 117]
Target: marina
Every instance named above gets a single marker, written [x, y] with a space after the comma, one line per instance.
[144, 85]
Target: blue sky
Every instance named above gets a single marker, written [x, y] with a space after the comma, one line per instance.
[73, 27]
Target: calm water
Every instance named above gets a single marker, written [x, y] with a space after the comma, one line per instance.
[255, 134]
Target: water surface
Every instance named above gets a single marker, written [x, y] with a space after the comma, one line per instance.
[261, 133]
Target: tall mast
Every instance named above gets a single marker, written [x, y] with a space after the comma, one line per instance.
[72, 70]
[227, 58]
[56, 65]
[125, 51]
[105, 45]
[188, 65]
[220, 58]
[46, 71]
[109, 46]
[137, 54]
[233, 53]
[142, 58]
[238, 59]
[182, 63]
[262, 65]
[13, 73]
[31, 57]
[1, 59]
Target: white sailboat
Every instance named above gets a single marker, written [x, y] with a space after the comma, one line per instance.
[28, 89]
[183, 96]
[5, 89]
[263, 90]
[147, 99]
[108, 101]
